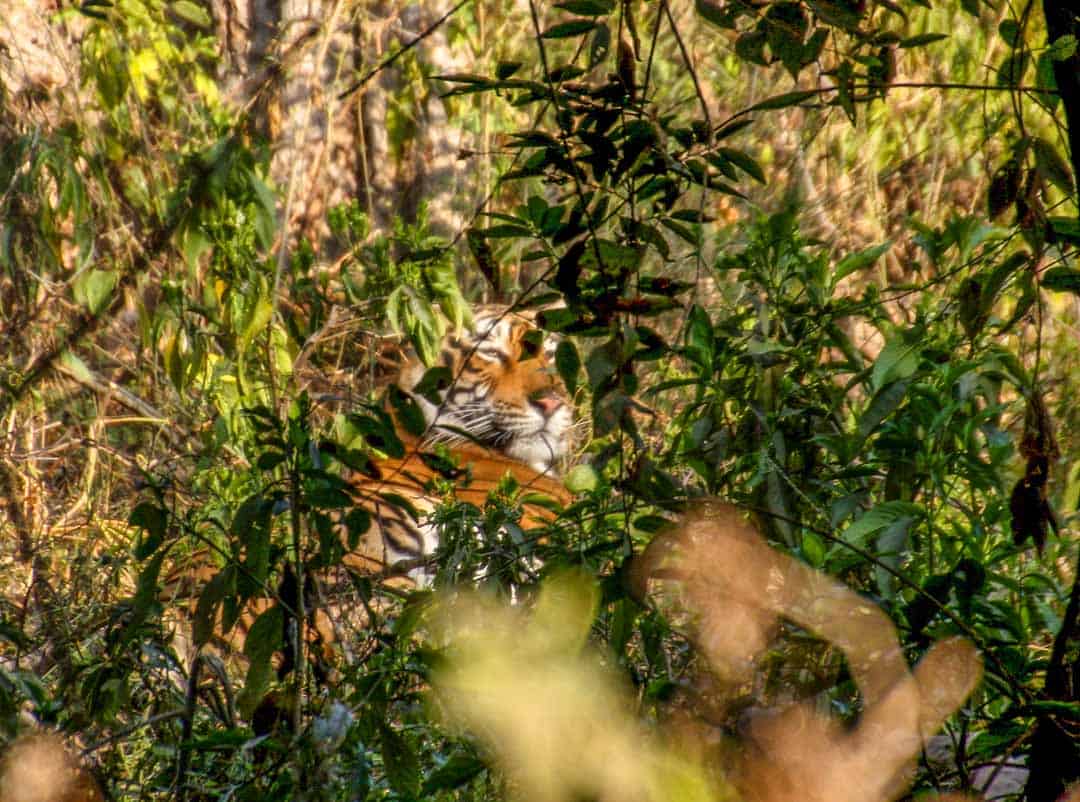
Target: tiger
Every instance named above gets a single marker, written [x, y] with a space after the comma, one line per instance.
[504, 412]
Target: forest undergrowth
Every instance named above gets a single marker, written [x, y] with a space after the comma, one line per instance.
[815, 260]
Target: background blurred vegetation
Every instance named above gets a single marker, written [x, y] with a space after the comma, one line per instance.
[817, 258]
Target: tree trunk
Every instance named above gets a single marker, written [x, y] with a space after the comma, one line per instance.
[1055, 746]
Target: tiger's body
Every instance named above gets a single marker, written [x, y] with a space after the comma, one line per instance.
[502, 413]
[505, 412]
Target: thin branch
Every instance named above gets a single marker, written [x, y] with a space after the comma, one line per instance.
[403, 50]
[824, 90]
[688, 61]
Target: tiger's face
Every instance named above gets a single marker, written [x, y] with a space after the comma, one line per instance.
[504, 393]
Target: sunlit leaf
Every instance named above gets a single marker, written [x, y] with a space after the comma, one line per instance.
[1061, 279]
[192, 12]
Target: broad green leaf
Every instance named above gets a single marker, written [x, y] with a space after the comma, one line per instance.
[265, 636]
[146, 591]
[880, 517]
[601, 364]
[1011, 71]
[258, 311]
[586, 8]
[565, 30]
[744, 162]
[1062, 279]
[1062, 48]
[504, 69]
[407, 411]
[191, 12]
[897, 360]
[432, 384]
[152, 519]
[256, 684]
[883, 404]
[611, 255]
[582, 479]
[699, 338]
[1052, 165]
[840, 13]
[1066, 228]
[813, 549]
[458, 770]
[859, 261]
[401, 763]
[750, 47]
[94, 289]
[891, 544]
[785, 100]
[714, 13]
[1009, 30]
[922, 39]
[568, 363]
[206, 607]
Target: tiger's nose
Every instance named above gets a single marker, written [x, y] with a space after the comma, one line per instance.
[547, 402]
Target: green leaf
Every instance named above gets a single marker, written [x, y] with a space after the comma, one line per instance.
[251, 527]
[190, 12]
[880, 517]
[401, 764]
[1009, 30]
[813, 549]
[265, 636]
[582, 479]
[146, 591]
[432, 384]
[859, 261]
[481, 81]
[714, 13]
[883, 404]
[565, 30]
[744, 162]
[407, 411]
[1066, 229]
[750, 47]
[1052, 165]
[922, 40]
[194, 243]
[586, 8]
[458, 770]
[206, 607]
[601, 364]
[732, 128]
[699, 338]
[504, 69]
[1062, 279]
[505, 231]
[259, 670]
[94, 289]
[568, 363]
[785, 100]
[1062, 48]
[841, 13]
[1011, 71]
[153, 519]
[891, 544]
[897, 360]
[611, 256]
